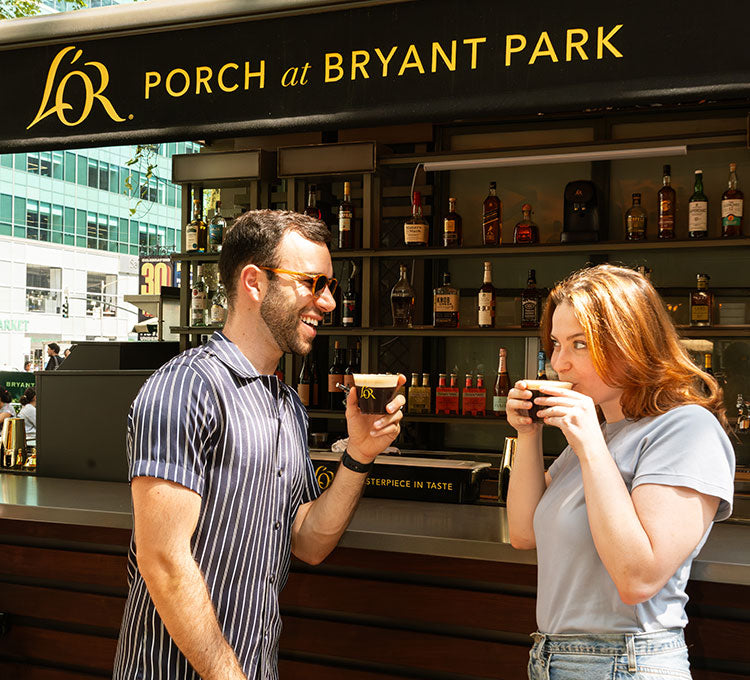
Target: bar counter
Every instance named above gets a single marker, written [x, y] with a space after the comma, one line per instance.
[476, 532]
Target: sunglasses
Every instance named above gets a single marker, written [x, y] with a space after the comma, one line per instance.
[318, 282]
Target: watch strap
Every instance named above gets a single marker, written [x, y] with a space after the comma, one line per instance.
[348, 462]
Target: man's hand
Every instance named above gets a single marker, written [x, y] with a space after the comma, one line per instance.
[370, 435]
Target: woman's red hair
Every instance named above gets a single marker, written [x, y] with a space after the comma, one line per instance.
[633, 342]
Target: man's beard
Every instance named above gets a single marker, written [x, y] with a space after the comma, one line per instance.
[282, 321]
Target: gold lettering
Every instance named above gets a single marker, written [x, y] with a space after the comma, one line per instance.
[153, 78]
[222, 85]
[360, 59]
[510, 48]
[168, 82]
[289, 81]
[437, 49]
[203, 79]
[474, 42]
[603, 41]
[577, 44]
[333, 63]
[539, 52]
[257, 74]
[303, 78]
[385, 60]
[411, 60]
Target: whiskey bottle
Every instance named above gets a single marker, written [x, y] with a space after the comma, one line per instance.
[199, 299]
[698, 209]
[402, 301]
[702, 303]
[452, 227]
[216, 230]
[502, 384]
[486, 299]
[492, 218]
[530, 302]
[195, 231]
[353, 366]
[526, 231]
[305, 381]
[635, 220]
[349, 306]
[541, 365]
[312, 209]
[346, 219]
[666, 206]
[336, 375]
[708, 363]
[218, 313]
[445, 304]
[416, 229]
[732, 201]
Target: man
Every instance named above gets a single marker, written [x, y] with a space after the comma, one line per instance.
[53, 351]
[222, 484]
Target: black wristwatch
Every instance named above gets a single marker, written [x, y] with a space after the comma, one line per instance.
[348, 462]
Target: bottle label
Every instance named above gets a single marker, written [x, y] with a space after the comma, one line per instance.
[345, 220]
[499, 404]
[698, 218]
[486, 309]
[699, 313]
[419, 400]
[636, 225]
[215, 235]
[731, 212]
[349, 379]
[530, 310]
[199, 300]
[218, 314]
[191, 239]
[474, 399]
[304, 393]
[446, 303]
[415, 232]
[446, 400]
[334, 378]
[449, 226]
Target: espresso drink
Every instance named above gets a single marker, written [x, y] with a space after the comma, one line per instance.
[375, 391]
[534, 385]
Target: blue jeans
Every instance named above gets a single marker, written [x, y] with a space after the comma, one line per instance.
[660, 655]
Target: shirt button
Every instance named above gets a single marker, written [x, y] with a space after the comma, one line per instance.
[281, 472]
[276, 525]
[272, 578]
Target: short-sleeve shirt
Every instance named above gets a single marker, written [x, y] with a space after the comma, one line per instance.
[210, 422]
[684, 447]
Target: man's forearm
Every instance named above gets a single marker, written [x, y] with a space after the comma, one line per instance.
[181, 598]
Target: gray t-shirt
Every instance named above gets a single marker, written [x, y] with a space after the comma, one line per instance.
[684, 447]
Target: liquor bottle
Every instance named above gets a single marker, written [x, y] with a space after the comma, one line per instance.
[349, 306]
[442, 396]
[486, 300]
[732, 201]
[195, 231]
[445, 304]
[218, 313]
[346, 218]
[199, 299]
[353, 366]
[666, 208]
[698, 207]
[216, 230]
[416, 229]
[502, 384]
[336, 375]
[453, 233]
[708, 363]
[312, 209]
[402, 301]
[526, 231]
[702, 303]
[531, 301]
[541, 365]
[492, 218]
[635, 220]
[305, 381]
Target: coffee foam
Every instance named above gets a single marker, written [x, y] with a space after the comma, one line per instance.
[538, 384]
[375, 380]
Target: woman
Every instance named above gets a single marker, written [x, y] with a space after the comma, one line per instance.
[28, 413]
[6, 409]
[621, 514]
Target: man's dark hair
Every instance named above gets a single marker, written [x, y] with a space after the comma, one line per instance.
[54, 347]
[254, 239]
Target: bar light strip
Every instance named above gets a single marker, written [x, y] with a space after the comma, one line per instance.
[550, 159]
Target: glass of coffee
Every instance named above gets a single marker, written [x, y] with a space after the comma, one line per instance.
[534, 387]
[375, 391]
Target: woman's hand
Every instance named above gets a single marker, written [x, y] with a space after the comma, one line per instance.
[575, 414]
[517, 410]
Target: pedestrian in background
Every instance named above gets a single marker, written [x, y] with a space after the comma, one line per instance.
[53, 352]
[28, 413]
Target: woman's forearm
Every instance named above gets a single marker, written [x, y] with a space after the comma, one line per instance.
[526, 487]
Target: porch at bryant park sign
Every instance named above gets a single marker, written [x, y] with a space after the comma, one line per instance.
[467, 60]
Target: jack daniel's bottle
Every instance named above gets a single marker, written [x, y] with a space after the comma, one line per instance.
[530, 303]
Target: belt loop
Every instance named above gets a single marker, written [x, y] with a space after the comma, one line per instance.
[630, 644]
[539, 639]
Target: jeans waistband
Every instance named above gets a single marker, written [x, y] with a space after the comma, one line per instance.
[610, 643]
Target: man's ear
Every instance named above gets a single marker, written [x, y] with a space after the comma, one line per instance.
[252, 283]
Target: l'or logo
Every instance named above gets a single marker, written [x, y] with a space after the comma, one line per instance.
[60, 105]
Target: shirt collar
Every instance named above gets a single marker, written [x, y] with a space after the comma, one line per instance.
[229, 354]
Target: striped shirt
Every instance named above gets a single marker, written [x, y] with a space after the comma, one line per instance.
[209, 421]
